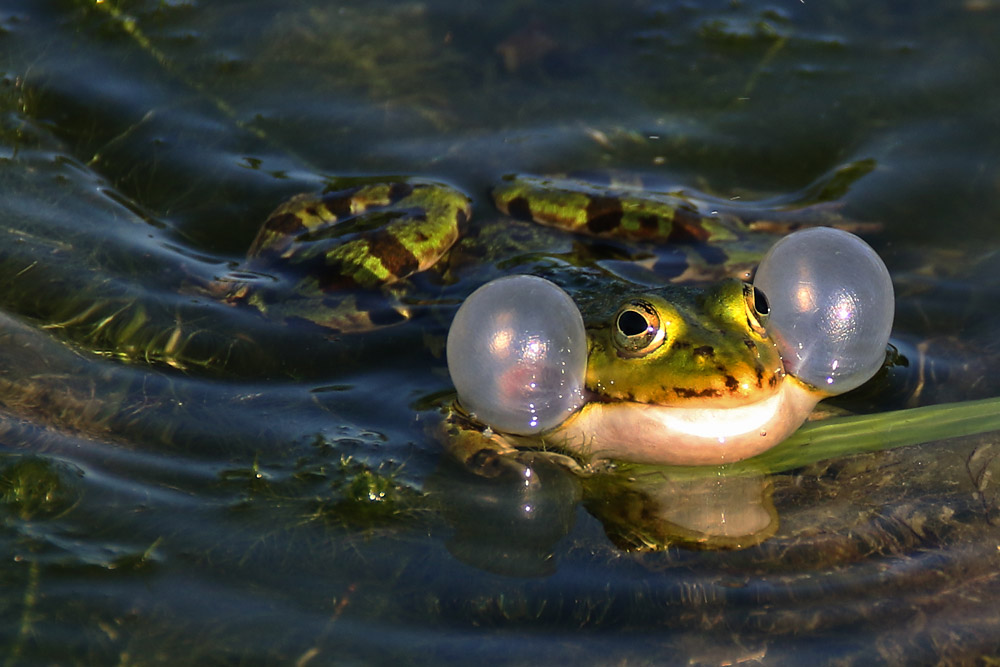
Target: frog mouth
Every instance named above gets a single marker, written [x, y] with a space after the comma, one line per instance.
[717, 423]
[657, 434]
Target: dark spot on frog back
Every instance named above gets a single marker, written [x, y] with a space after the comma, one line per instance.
[519, 208]
[604, 214]
[399, 191]
[649, 224]
[397, 258]
[339, 203]
[284, 223]
[687, 227]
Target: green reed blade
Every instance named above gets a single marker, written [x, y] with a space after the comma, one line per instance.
[844, 436]
[867, 433]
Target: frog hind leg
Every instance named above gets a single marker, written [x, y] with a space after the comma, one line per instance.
[718, 238]
[612, 211]
[341, 258]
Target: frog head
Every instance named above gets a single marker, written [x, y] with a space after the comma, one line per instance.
[671, 375]
[680, 346]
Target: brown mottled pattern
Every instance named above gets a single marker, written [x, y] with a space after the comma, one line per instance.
[684, 392]
[705, 351]
[650, 225]
[384, 240]
[279, 225]
[604, 214]
[340, 203]
[284, 223]
[520, 208]
[687, 228]
[396, 258]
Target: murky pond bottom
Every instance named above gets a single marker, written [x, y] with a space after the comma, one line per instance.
[187, 481]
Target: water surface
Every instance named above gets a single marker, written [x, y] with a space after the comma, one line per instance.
[186, 483]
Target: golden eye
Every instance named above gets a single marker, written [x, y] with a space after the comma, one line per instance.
[757, 308]
[637, 329]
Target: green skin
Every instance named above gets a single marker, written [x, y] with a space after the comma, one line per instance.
[673, 346]
[342, 243]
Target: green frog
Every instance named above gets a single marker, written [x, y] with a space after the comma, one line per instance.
[674, 373]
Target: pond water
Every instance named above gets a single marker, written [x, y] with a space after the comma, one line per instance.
[184, 482]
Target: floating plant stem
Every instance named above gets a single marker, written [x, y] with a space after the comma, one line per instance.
[845, 436]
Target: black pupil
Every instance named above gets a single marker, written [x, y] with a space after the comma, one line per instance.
[631, 323]
[760, 302]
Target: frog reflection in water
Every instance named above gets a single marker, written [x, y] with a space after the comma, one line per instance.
[674, 374]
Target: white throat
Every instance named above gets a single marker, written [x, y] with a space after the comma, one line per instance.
[655, 434]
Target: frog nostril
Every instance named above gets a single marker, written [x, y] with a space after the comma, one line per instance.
[632, 323]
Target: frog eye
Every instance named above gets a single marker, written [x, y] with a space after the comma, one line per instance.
[757, 307]
[637, 329]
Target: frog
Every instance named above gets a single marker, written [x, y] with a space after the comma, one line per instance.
[691, 366]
